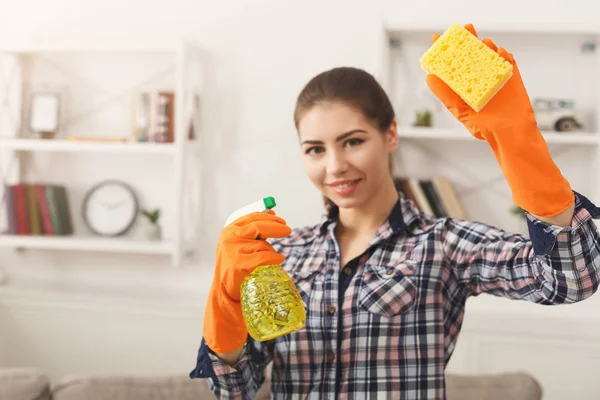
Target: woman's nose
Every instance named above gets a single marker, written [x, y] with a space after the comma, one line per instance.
[336, 163]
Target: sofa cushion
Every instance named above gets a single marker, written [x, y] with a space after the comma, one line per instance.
[131, 388]
[24, 384]
[502, 386]
[513, 385]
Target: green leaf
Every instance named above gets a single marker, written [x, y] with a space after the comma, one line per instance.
[152, 215]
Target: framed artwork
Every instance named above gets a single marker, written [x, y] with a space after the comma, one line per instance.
[44, 114]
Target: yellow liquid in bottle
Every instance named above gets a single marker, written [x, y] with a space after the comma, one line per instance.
[271, 304]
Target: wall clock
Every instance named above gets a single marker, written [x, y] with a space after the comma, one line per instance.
[110, 208]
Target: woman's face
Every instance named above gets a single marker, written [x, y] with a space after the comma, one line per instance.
[344, 155]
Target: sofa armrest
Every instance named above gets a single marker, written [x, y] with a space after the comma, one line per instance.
[24, 384]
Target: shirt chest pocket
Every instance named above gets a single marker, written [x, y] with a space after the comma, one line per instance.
[387, 290]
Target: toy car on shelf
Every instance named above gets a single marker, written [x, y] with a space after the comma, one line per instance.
[557, 114]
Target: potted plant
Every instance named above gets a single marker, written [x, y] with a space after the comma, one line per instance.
[519, 212]
[423, 118]
[154, 231]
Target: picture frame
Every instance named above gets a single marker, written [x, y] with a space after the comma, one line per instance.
[44, 114]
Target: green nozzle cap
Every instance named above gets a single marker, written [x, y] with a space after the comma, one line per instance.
[269, 202]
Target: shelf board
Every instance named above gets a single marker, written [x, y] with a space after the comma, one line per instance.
[75, 46]
[78, 243]
[399, 27]
[61, 145]
[463, 134]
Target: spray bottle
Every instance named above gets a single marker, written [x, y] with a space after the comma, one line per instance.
[271, 304]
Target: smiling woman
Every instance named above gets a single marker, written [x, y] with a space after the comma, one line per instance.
[384, 285]
[368, 135]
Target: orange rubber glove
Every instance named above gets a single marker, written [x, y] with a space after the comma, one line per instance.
[239, 252]
[509, 126]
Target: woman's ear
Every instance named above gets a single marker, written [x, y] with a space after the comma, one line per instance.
[391, 136]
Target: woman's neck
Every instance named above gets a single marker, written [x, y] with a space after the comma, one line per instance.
[365, 220]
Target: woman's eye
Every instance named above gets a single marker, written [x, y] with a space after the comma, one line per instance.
[314, 150]
[354, 142]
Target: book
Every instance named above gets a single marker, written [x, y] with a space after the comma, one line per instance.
[434, 196]
[38, 209]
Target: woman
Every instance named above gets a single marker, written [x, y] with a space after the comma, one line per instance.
[385, 285]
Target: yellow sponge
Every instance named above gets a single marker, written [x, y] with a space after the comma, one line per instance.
[467, 65]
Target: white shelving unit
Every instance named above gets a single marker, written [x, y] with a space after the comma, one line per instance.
[58, 145]
[88, 244]
[97, 84]
[575, 138]
[555, 62]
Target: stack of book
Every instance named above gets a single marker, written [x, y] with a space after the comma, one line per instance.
[38, 209]
[154, 117]
[435, 196]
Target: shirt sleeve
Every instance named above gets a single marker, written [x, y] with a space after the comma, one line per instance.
[556, 265]
[240, 381]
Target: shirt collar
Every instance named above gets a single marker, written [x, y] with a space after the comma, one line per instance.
[402, 216]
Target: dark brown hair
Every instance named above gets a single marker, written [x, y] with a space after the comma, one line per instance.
[354, 87]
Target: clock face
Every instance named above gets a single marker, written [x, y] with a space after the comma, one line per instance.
[110, 209]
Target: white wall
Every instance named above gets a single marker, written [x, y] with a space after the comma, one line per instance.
[264, 51]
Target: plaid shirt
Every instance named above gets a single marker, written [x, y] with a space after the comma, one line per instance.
[386, 324]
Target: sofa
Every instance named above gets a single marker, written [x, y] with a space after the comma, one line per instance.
[31, 384]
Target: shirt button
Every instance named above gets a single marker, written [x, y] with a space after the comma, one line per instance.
[331, 310]
[330, 357]
[347, 271]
